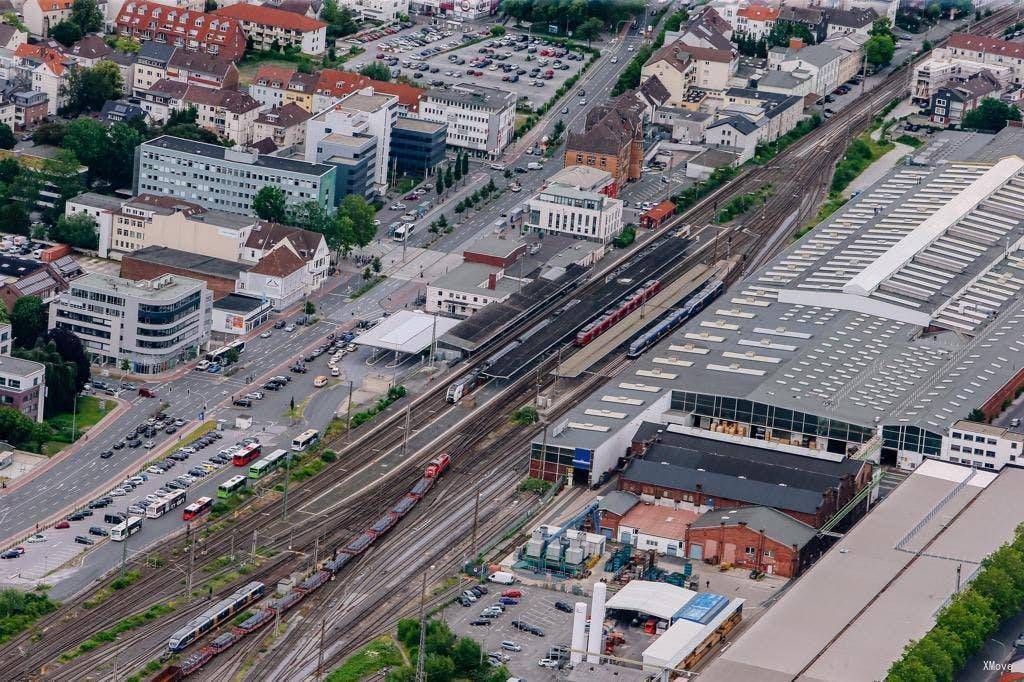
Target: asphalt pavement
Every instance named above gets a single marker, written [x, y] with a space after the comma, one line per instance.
[197, 396]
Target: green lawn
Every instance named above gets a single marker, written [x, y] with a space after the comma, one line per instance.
[90, 410]
[372, 658]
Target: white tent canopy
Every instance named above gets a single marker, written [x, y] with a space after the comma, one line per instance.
[655, 599]
[406, 332]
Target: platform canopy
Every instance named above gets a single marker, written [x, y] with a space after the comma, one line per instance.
[406, 332]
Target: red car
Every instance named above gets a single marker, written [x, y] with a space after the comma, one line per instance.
[514, 594]
[62, 525]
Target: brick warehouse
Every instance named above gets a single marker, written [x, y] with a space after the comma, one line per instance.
[705, 474]
[758, 538]
[153, 261]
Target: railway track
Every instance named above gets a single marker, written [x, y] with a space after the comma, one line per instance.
[806, 168]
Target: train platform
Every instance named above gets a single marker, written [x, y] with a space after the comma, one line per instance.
[637, 320]
[656, 258]
[469, 335]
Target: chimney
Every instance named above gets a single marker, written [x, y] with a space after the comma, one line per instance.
[492, 281]
[796, 44]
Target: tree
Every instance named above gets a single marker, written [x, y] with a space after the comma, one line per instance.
[87, 140]
[525, 415]
[457, 174]
[117, 169]
[28, 321]
[231, 356]
[361, 213]
[310, 308]
[269, 204]
[210, 5]
[784, 30]
[61, 174]
[70, 347]
[49, 133]
[88, 89]
[879, 49]
[465, 163]
[589, 29]
[78, 230]
[87, 16]
[61, 376]
[497, 30]
[439, 185]
[18, 429]
[927, 46]
[11, 19]
[312, 216]
[66, 33]
[376, 264]
[466, 655]
[881, 26]
[7, 139]
[376, 71]
[990, 116]
[15, 219]
[449, 177]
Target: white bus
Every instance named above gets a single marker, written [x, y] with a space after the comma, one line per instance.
[130, 527]
[305, 439]
[403, 231]
[165, 504]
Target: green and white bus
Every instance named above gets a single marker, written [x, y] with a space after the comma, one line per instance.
[231, 486]
[267, 464]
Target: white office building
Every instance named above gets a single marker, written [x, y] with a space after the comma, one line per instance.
[574, 212]
[983, 446]
[377, 10]
[153, 324]
[479, 119]
[359, 115]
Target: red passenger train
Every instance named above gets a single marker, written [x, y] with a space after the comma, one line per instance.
[615, 313]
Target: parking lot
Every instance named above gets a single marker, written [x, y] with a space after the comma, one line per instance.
[403, 42]
[536, 607]
[55, 547]
[531, 68]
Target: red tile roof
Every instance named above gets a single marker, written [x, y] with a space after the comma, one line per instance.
[662, 210]
[152, 21]
[339, 83]
[967, 41]
[55, 5]
[280, 262]
[268, 16]
[759, 13]
[53, 59]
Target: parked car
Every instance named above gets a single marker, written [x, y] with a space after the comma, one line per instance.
[84, 540]
[38, 537]
[509, 645]
[96, 530]
[477, 621]
[547, 663]
[563, 606]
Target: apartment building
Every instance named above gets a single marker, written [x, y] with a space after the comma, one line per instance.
[227, 179]
[284, 126]
[192, 31]
[953, 101]
[22, 383]
[756, 21]
[942, 68]
[269, 28]
[360, 115]
[563, 209]
[988, 51]
[154, 325]
[157, 220]
[333, 84]
[276, 86]
[229, 113]
[101, 208]
[611, 141]
[42, 15]
[480, 119]
[47, 70]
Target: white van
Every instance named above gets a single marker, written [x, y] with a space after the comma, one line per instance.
[533, 165]
[502, 578]
[202, 365]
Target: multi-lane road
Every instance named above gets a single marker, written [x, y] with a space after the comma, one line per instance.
[74, 480]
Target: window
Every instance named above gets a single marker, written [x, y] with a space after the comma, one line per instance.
[769, 553]
[750, 551]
